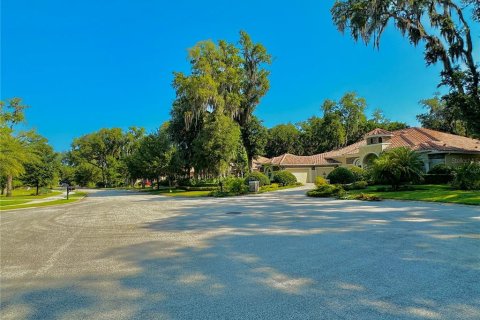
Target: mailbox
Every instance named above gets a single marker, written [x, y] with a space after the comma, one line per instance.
[254, 186]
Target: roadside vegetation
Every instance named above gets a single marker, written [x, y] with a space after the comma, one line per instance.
[225, 187]
[213, 135]
[428, 192]
[23, 199]
[397, 174]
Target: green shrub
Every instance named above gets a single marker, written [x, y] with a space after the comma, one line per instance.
[320, 181]
[367, 197]
[357, 185]
[441, 169]
[397, 167]
[327, 191]
[192, 182]
[437, 178]
[235, 186]
[467, 177]
[359, 174]
[257, 176]
[271, 187]
[218, 193]
[284, 178]
[341, 175]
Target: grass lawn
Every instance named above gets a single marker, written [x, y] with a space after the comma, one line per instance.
[20, 205]
[20, 196]
[174, 192]
[267, 189]
[431, 192]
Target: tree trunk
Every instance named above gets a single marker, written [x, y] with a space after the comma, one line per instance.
[9, 185]
[36, 193]
[104, 178]
[158, 183]
[250, 163]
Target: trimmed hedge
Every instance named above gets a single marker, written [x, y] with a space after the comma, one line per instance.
[359, 174]
[257, 176]
[327, 191]
[284, 178]
[191, 182]
[341, 175]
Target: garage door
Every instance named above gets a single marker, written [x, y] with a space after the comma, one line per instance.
[301, 175]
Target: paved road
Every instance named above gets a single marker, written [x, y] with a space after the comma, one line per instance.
[123, 255]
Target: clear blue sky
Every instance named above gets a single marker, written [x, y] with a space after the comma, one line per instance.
[83, 65]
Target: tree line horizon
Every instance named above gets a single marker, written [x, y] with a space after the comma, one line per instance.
[213, 128]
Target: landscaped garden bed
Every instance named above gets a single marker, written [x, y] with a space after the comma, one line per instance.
[397, 174]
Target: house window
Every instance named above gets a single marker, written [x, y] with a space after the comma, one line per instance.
[380, 140]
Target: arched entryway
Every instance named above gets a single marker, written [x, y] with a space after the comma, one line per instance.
[368, 159]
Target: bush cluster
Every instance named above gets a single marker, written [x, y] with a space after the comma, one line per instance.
[437, 178]
[235, 186]
[357, 185]
[341, 175]
[441, 169]
[257, 176]
[328, 190]
[320, 181]
[359, 174]
[467, 177]
[192, 182]
[284, 178]
[270, 187]
[367, 197]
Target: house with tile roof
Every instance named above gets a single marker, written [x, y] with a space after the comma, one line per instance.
[434, 147]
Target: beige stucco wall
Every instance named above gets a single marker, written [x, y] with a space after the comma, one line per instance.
[368, 149]
[312, 173]
[301, 170]
[322, 172]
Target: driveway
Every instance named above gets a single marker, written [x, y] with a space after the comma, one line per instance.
[125, 255]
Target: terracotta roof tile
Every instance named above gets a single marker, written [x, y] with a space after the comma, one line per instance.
[431, 140]
[378, 131]
[418, 139]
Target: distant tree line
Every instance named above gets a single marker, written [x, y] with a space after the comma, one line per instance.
[213, 131]
[343, 123]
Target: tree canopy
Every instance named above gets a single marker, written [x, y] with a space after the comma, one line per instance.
[441, 25]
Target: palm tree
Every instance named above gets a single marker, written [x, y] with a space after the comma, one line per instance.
[398, 166]
[14, 153]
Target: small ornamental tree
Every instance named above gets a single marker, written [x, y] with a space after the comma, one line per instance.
[397, 167]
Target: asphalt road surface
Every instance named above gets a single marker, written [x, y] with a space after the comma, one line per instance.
[125, 255]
